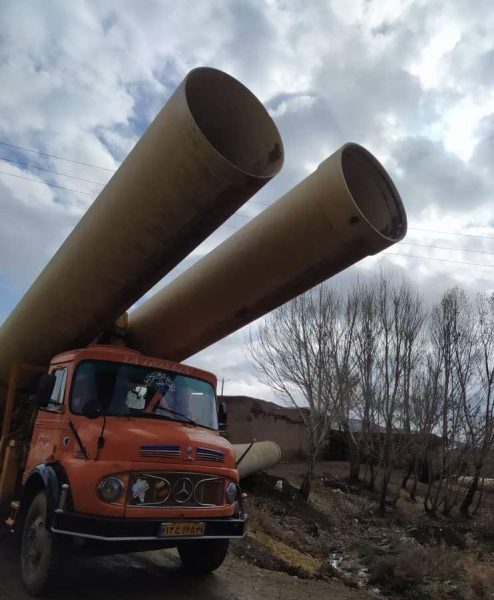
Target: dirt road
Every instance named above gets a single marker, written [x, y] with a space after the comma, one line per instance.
[158, 575]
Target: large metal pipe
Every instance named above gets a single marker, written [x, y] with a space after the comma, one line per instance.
[259, 457]
[211, 147]
[346, 210]
[484, 483]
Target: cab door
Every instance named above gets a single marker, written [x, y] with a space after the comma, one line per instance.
[50, 428]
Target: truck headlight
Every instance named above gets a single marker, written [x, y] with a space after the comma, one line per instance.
[111, 489]
[232, 493]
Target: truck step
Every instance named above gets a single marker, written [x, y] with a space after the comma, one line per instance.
[14, 509]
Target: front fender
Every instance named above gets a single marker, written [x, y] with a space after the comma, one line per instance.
[48, 477]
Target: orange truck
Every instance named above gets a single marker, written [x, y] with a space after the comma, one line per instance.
[116, 451]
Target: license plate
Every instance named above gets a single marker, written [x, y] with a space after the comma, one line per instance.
[182, 529]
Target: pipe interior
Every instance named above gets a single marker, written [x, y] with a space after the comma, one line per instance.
[234, 122]
[374, 192]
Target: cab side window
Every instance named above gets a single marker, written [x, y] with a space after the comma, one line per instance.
[58, 393]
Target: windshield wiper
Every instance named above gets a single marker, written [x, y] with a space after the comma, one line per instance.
[179, 414]
[78, 440]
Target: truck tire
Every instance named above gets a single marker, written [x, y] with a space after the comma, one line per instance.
[41, 550]
[200, 557]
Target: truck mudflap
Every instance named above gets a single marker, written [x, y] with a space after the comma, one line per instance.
[138, 530]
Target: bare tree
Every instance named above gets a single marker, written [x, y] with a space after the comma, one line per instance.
[479, 411]
[452, 350]
[424, 419]
[389, 319]
[366, 342]
[342, 376]
[405, 395]
[413, 321]
[399, 313]
[291, 353]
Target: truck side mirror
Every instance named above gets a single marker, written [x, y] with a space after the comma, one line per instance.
[92, 409]
[222, 416]
[44, 390]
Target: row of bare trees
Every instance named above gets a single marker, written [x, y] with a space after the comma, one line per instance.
[408, 388]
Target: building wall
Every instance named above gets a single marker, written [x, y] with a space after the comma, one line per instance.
[251, 418]
[488, 470]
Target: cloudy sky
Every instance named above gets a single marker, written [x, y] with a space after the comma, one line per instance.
[413, 81]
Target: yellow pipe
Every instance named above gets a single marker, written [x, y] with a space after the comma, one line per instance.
[261, 456]
[211, 147]
[346, 210]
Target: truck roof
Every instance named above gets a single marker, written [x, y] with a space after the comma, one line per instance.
[127, 355]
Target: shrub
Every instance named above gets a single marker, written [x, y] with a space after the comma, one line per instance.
[368, 553]
[411, 564]
[382, 571]
[480, 581]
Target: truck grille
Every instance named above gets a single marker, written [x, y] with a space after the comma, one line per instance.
[175, 490]
[160, 451]
[207, 454]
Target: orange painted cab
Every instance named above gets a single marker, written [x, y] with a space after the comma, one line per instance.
[125, 451]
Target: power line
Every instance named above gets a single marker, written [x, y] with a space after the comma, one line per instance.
[230, 226]
[425, 257]
[77, 162]
[259, 203]
[483, 237]
[471, 235]
[458, 262]
[447, 248]
[60, 187]
[414, 228]
[248, 217]
[31, 166]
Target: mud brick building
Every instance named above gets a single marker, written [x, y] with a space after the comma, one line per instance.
[251, 418]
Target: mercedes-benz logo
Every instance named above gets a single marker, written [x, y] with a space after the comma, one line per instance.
[183, 490]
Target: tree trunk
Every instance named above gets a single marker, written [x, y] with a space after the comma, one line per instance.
[354, 475]
[425, 470]
[470, 495]
[409, 471]
[479, 500]
[305, 488]
[383, 492]
[447, 507]
[429, 507]
[413, 491]
[372, 478]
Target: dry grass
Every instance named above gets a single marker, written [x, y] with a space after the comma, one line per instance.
[434, 562]
[480, 581]
[408, 555]
[289, 555]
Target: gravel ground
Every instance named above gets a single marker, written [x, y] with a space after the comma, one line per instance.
[158, 575]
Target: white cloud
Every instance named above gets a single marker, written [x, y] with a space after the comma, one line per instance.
[412, 80]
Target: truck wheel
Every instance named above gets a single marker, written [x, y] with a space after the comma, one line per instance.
[40, 549]
[201, 557]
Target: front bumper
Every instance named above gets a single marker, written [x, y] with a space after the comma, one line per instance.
[139, 530]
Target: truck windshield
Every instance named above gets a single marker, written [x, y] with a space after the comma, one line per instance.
[124, 389]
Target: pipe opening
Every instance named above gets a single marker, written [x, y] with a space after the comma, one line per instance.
[373, 192]
[234, 122]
